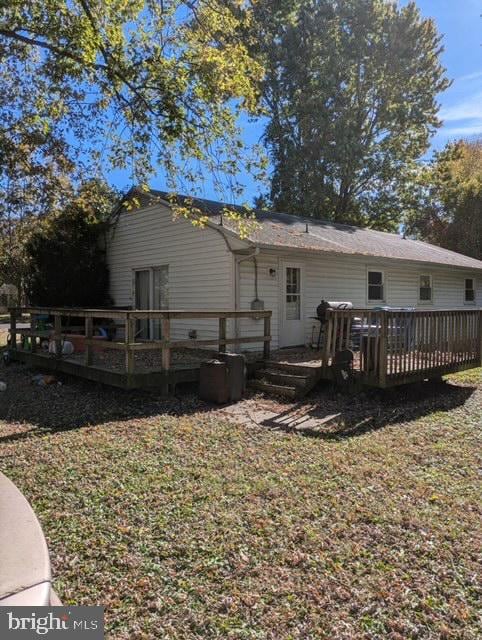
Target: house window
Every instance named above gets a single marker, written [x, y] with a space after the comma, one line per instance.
[293, 293]
[469, 290]
[425, 288]
[376, 286]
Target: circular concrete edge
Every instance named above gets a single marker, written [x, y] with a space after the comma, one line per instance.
[25, 576]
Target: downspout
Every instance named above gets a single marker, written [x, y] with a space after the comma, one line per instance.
[237, 287]
[237, 261]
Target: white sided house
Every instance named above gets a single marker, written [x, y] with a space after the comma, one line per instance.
[288, 265]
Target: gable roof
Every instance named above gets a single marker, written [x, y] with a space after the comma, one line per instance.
[282, 230]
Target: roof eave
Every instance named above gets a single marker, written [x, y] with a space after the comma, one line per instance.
[276, 247]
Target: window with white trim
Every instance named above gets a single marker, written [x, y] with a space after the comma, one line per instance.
[293, 293]
[376, 286]
[469, 290]
[425, 288]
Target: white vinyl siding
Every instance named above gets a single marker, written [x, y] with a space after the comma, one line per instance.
[344, 278]
[201, 275]
[199, 263]
[268, 292]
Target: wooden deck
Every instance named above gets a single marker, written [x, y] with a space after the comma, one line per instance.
[164, 374]
[387, 347]
[397, 347]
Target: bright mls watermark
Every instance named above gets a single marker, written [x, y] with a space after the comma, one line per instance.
[25, 623]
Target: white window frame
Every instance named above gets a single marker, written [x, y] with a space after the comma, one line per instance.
[430, 277]
[470, 302]
[383, 285]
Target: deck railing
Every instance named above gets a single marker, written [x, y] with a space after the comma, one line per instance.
[126, 320]
[393, 346]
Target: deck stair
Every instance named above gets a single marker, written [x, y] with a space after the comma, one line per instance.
[290, 380]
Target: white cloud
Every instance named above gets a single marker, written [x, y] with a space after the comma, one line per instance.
[468, 77]
[465, 132]
[467, 108]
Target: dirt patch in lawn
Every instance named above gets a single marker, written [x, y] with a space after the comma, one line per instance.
[188, 522]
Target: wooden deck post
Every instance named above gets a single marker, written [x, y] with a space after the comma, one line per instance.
[222, 335]
[479, 339]
[327, 340]
[382, 353]
[33, 338]
[88, 337]
[129, 331]
[166, 349]
[58, 335]
[267, 332]
[13, 329]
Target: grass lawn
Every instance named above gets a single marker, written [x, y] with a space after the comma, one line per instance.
[186, 526]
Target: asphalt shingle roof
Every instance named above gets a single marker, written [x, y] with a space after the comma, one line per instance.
[288, 231]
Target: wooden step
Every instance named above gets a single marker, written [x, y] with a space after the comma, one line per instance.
[286, 379]
[283, 378]
[274, 389]
[292, 367]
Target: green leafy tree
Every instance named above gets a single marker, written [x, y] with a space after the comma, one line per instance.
[444, 200]
[94, 85]
[90, 85]
[64, 256]
[350, 93]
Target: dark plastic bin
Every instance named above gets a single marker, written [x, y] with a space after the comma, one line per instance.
[213, 381]
[236, 365]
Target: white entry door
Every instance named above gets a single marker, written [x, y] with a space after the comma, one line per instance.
[292, 326]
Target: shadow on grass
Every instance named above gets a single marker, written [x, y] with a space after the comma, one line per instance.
[331, 416]
[29, 410]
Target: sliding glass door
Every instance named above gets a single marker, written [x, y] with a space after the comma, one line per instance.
[151, 292]
[143, 301]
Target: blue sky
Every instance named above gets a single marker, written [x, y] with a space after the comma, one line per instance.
[460, 23]
[461, 105]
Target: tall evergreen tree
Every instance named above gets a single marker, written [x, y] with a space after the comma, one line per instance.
[350, 91]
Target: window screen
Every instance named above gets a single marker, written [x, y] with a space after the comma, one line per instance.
[425, 288]
[375, 286]
[469, 290]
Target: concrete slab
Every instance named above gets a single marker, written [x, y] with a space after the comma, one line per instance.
[24, 557]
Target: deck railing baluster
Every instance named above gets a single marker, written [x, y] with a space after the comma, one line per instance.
[479, 337]
[383, 349]
[13, 329]
[88, 338]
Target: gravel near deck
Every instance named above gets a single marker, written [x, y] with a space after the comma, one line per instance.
[144, 361]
